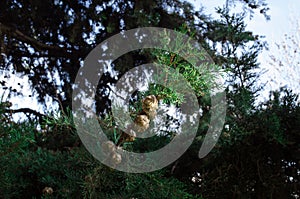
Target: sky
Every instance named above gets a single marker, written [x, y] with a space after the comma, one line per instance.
[284, 17]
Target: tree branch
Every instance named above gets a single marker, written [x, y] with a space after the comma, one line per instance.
[21, 36]
[52, 50]
[26, 111]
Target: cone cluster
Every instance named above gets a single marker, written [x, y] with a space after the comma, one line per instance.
[110, 149]
[142, 120]
[140, 124]
[150, 106]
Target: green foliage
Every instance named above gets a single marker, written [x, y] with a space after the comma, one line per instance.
[28, 167]
[200, 76]
[155, 185]
[278, 116]
[59, 120]
[13, 136]
[258, 159]
[123, 185]
[58, 131]
[27, 173]
[256, 152]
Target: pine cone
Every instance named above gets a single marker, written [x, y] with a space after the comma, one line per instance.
[108, 147]
[117, 158]
[150, 105]
[141, 123]
[126, 137]
[47, 190]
